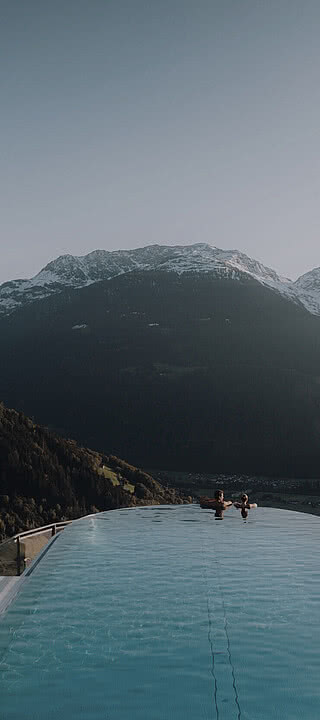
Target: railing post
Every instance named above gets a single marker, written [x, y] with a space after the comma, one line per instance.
[54, 529]
[18, 556]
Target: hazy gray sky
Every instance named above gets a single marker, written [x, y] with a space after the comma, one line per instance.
[129, 122]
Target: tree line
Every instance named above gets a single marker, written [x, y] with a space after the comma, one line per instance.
[45, 478]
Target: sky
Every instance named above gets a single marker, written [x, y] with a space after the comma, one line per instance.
[131, 122]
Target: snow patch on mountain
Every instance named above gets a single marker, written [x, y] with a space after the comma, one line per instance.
[69, 271]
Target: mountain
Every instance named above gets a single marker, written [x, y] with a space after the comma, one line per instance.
[47, 478]
[177, 370]
[72, 272]
[309, 282]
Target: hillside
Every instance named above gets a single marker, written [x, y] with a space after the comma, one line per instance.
[174, 371]
[46, 478]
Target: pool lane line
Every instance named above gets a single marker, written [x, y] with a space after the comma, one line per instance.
[212, 652]
[234, 684]
[236, 696]
[212, 669]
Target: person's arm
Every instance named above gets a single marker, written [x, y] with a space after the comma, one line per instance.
[227, 503]
[237, 505]
[252, 506]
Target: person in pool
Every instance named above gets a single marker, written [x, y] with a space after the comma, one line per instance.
[220, 504]
[244, 506]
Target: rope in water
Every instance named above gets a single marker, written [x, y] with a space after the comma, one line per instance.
[211, 643]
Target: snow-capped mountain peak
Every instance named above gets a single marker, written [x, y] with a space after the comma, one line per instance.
[76, 272]
[310, 281]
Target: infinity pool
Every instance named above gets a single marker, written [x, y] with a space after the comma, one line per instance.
[166, 614]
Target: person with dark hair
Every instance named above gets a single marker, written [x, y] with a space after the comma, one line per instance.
[218, 503]
[244, 505]
[221, 504]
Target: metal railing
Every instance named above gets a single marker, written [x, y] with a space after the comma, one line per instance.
[54, 528]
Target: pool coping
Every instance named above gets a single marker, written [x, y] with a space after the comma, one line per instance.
[14, 584]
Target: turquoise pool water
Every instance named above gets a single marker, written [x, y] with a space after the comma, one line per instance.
[167, 614]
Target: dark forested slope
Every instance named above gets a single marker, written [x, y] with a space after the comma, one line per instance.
[184, 372]
[46, 478]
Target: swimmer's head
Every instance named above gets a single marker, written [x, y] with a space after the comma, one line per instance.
[219, 495]
[244, 498]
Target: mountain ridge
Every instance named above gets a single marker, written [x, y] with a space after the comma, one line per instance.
[75, 272]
